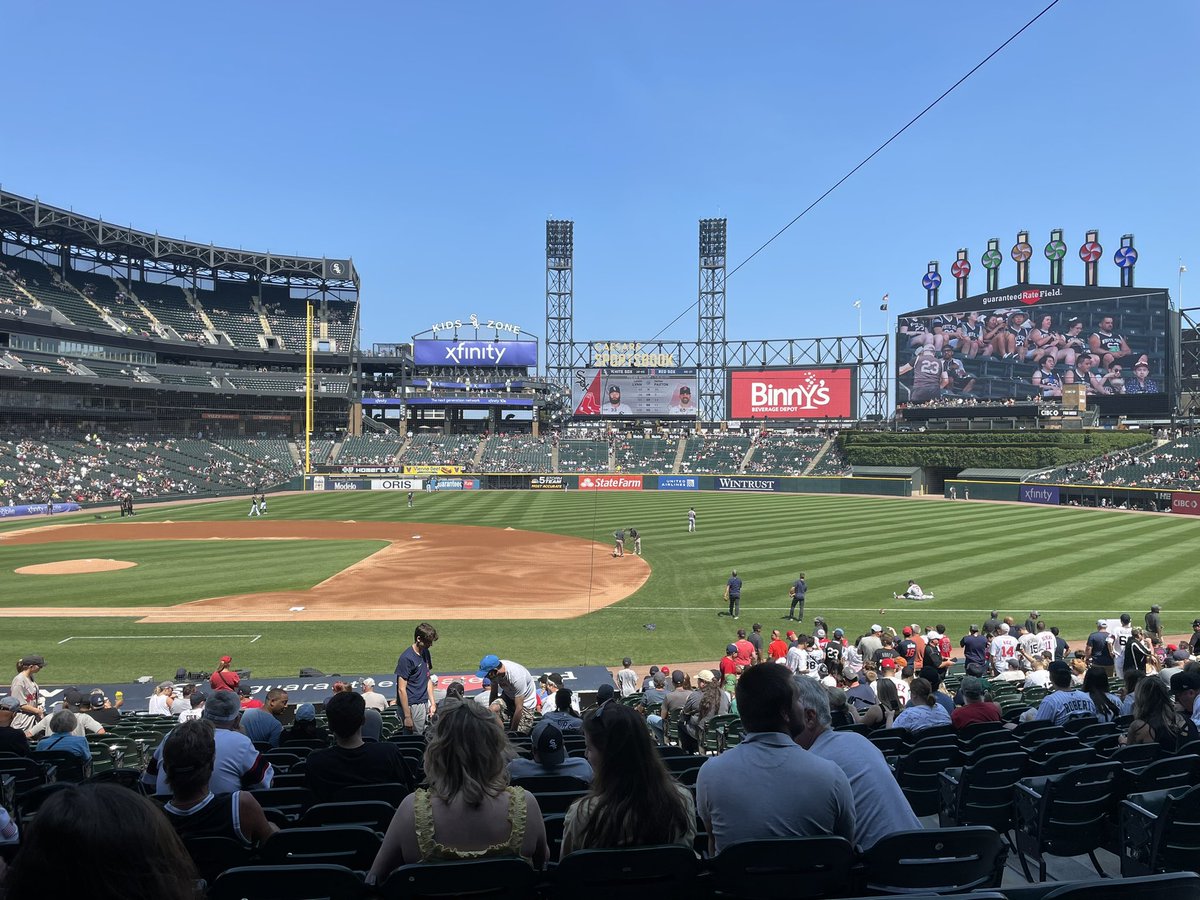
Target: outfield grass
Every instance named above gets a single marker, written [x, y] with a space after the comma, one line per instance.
[1071, 564]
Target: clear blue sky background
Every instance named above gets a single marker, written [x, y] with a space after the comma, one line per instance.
[431, 142]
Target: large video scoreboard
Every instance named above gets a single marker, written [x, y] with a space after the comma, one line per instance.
[1030, 341]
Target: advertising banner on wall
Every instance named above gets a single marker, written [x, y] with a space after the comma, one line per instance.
[475, 354]
[450, 483]
[396, 484]
[1040, 493]
[37, 509]
[649, 393]
[1185, 503]
[432, 470]
[678, 483]
[610, 482]
[755, 485]
[548, 483]
[793, 393]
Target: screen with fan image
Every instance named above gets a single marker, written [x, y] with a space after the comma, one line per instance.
[1118, 348]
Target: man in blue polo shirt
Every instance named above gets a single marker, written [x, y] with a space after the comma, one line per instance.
[805, 795]
[733, 593]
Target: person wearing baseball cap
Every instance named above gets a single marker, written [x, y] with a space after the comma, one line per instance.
[975, 647]
[11, 740]
[549, 757]
[224, 678]
[1099, 651]
[25, 689]
[613, 405]
[870, 644]
[1186, 687]
[511, 682]
[707, 701]
[729, 662]
[672, 701]
[1154, 621]
[1194, 640]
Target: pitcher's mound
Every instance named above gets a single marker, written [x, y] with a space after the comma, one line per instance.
[76, 567]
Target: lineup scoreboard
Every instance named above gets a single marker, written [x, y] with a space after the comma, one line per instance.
[635, 393]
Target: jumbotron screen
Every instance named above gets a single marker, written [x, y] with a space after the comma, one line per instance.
[637, 393]
[1028, 345]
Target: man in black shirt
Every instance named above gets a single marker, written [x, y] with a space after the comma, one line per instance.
[1099, 650]
[975, 647]
[1194, 642]
[1154, 621]
[351, 761]
[11, 740]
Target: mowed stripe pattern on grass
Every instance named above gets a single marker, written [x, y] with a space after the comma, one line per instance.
[1071, 564]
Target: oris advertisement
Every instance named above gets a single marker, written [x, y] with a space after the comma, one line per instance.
[793, 393]
[610, 482]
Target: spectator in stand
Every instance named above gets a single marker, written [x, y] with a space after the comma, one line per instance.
[975, 652]
[1099, 652]
[263, 725]
[415, 681]
[1186, 685]
[25, 689]
[1154, 618]
[121, 845]
[514, 685]
[102, 709]
[810, 795]
[195, 811]
[654, 670]
[563, 716]
[627, 680]
[467, 810]
[11, 739]
[925, 711]
[778, 647]
[1156, 720]
[886, 707]
[182, 701]
[75, 702]
[876, 810]
[224, 678]
[633, 801]
[550, 757]
[372, 698]
[238, 765]
[304, 727]
[351, 760]
[704, 703]
[653, 695]
[674, 701]
[976, 709]
[62, 736]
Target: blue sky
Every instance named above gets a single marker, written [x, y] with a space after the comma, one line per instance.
[431, 142]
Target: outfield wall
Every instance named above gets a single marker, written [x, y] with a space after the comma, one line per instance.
[743, 484]
[1057, 494]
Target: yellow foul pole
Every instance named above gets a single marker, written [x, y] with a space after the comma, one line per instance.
[308, 389]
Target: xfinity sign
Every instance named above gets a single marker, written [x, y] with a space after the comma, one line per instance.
[1040, 493]
[475, 354]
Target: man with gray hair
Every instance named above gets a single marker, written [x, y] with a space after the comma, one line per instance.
[237, 766]
[880, 807]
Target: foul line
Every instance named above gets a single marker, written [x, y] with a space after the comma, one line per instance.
[828, 611]
[155, 637]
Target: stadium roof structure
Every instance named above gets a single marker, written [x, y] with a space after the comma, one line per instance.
[997, 474]
[66, 228]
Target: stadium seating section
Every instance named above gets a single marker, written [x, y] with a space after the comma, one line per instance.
[639, 454]
[1173, 465]
[719, 454]
[442, 450]
[517, 453]
[582, 456]
[369, 449]
[784, 454]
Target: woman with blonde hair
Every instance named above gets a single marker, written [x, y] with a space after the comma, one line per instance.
[468, 809]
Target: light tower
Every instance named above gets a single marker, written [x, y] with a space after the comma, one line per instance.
[711, 355]
[560, 299]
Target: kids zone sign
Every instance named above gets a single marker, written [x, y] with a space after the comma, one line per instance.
[792, 393]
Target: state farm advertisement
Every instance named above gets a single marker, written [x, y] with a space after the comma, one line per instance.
[1185, 503]
[610, 482]
[792, 393]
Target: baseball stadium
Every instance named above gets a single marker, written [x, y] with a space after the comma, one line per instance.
[330, 574]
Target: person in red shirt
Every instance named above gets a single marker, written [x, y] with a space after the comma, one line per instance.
[224, 679]
[778, 647]
[976, 709]
[745, 650]
[729, 665]
[248, 702]
[918, 640]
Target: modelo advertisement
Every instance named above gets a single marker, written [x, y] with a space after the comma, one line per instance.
[1185, 503]
[1040, 493]
[475, 354]
[396, 484]
[792, 393]
[678, 483]
[610, 482]
[548, 483]
[753, 485]
[446, 483]
[321, 483]
[644, 393]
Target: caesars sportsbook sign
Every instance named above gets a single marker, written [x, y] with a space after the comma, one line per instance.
[792, 393]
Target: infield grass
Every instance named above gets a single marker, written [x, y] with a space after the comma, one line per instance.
[1070, 564]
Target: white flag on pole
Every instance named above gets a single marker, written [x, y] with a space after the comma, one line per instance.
[858, 304]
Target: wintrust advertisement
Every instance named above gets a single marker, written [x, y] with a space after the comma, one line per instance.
[610, 482]
[1185, 503]
[792, 393]
[753, 485]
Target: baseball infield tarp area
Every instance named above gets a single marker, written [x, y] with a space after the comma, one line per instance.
[318, 690]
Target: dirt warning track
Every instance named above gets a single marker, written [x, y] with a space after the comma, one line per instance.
[451, 572]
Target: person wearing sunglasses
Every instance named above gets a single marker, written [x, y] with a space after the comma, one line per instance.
[513, 684]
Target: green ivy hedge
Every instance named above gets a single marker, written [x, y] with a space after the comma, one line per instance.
[989, 450]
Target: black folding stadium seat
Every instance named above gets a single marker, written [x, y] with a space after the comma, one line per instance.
[938, 860]
[782, 869]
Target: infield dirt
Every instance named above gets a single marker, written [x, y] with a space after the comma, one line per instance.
[452, 572]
